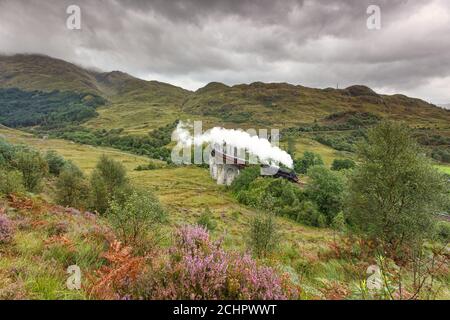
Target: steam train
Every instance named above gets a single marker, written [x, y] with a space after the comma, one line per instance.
[275, 172]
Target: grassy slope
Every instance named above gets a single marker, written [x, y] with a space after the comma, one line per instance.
[185, 191]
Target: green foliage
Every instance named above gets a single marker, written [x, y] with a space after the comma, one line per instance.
[55, 162]
[395, 191]
[107, 180]
[307, 213]
[264, 236]
[11, 182]
[339, 223]
[206, 220]
[151, 145]
[149, 166]
[443, 231]
[308, 160]
[134, 218]
[326, 189]
[291, 146]
[343, 141]
[72, 188]
[33, 168]
[245, 178]
[7, 152]
[342, 164]
[20, 108]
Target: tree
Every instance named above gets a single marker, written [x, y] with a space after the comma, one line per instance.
[55, 162]
[326, 189]
[71, 187]
[245, 178]
[308, 160]
[33, 168]
[107, 180]
[395, 191]
[341, 164]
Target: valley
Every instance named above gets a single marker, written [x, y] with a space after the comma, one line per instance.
[130, 121]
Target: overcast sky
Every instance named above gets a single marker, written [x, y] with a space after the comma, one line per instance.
[320, 43]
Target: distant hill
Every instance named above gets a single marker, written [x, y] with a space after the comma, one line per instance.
[139, 106]
[445, 106]
[38, 72]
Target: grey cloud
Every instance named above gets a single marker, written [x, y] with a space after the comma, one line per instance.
[189, 43]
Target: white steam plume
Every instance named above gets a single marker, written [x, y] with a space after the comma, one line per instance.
[260, 147]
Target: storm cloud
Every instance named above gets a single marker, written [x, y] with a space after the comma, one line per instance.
[190, 43]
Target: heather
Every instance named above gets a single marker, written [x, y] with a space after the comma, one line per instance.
[199, 268]
[6, 228]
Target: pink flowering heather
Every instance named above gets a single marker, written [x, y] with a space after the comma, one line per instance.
[200, 269]
[6, 229]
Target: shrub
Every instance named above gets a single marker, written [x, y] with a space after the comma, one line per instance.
[71, 187]
[443, 231]
[339, 223]
[245, 178]
[11, 182]
[6, 229]
[55, 162]
[326, 190]
[206, 220]
[7, 152]
[395, 192]
[308, 160]
[135, 217]
[307, 213]
[107, 180]
[149, 166]
[341, 164]
[199, 269]
[263, 234]
[33, 168]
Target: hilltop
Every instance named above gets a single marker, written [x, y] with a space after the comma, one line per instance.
[138, 106]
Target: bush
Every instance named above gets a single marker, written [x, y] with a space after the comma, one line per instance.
[133, 218]
[263, 234]
[72, 188]
[206, 220]
[199, 269]
[33, 168]
[341, 164]
[6, 229]
[245, 178]
[326, 189]
[55, 162]
[308, 160]
[307, 213]
[149, 166]
[443, 231]
[11, 182]
[339, 223]
[107, 180]
[7, 152]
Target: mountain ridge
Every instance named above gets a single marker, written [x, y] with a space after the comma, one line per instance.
[141, 105]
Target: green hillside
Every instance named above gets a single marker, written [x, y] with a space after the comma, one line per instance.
[138, 106]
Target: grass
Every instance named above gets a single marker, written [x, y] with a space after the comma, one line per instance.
[444, 168]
